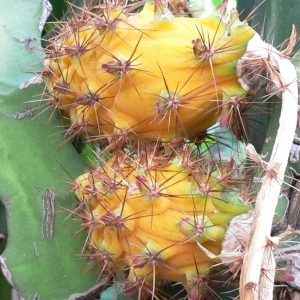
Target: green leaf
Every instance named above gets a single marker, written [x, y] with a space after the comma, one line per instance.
[3, 227]
[273, 17]
[115, 293]
[216, 2]
[281, 209]
[224, 146]
[269, 142]
[277, 18]
[5, 289]
[296, 62]
[28, 170]
[59, 8]
[294, 163]
[34, 164]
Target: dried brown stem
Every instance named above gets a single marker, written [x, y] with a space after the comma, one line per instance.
[254, 282]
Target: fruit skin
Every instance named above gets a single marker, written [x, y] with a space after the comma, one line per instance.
[115, 73]
[150, 218]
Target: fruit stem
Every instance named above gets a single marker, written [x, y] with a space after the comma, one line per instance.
[258, 271]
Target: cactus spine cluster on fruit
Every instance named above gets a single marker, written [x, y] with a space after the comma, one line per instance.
[152, 78]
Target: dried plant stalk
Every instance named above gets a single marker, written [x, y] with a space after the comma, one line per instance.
[258, 271]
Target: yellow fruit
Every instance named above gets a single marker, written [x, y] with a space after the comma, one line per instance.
[151, 220]
[159, 79]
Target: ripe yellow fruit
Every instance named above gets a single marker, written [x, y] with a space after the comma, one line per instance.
[153, 219]
[155, 78]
